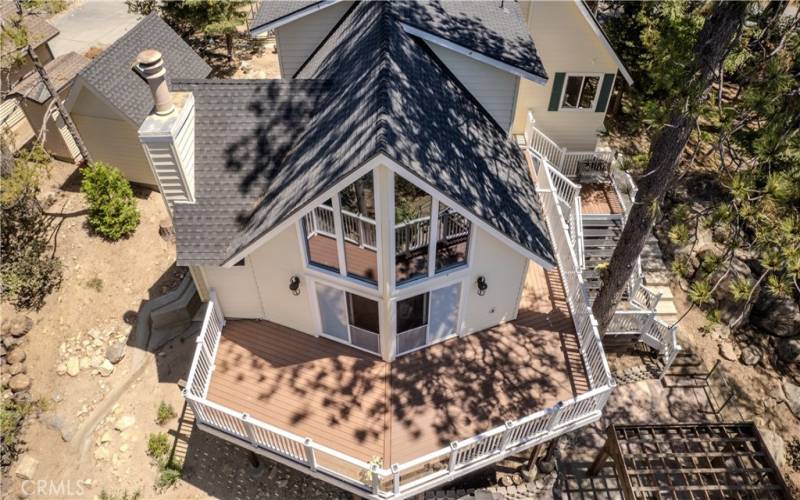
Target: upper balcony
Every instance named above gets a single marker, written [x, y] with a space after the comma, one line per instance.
[393, 429]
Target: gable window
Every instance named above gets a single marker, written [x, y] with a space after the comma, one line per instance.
[452, 239]
[319, 230]
[412, 234]
[360, 232]
[580, 92]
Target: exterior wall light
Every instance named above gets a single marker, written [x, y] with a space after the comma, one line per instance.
[482, 286]
[294, 285]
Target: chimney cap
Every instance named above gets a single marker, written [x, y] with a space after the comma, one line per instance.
[148, 57]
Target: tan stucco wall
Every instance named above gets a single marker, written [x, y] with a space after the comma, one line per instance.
[566, 44]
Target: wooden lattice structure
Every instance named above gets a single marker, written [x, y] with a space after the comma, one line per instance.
[692, 461]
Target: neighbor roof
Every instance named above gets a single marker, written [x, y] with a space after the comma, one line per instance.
[494, 29]
[111, 76]
[61, 70]
[38, 29]
[378, 92]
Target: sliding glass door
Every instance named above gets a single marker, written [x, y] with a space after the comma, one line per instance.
[350, 318]
[427, 318]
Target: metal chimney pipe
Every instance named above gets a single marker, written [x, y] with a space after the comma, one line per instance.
[150, 66]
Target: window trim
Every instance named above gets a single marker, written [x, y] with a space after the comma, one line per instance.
[583, 76]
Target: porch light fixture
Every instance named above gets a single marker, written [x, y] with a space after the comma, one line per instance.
[294, 285]
[482, 286]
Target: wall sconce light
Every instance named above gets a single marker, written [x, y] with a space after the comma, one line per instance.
[294, 285]
[482, 286]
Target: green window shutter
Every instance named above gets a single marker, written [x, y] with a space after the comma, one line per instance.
[558, 87]
[605, 92]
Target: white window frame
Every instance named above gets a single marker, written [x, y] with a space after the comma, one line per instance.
[349, 341]
[582, 76]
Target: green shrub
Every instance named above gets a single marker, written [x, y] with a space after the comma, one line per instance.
[112, 207]
[165, 413]
[168, 474]
[158, 446]
[136, 495]
[95, 284]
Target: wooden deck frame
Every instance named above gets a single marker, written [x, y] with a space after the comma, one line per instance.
[351, 401]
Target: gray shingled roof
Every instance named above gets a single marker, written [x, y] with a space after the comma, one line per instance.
[495, 29]
[61, 70]
[388, 94]
[110, 74]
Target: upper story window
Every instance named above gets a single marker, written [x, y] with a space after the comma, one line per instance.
[319, 230]
[452, 241]
[412, 223]
[360, 231]
[580, 92]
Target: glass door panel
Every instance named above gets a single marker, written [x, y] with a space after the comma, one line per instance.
[412, 323]
[444, 312]
[333, 311]
[364, 321]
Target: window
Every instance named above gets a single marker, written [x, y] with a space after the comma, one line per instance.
[411, 230]
[358, 225]
[580, 92]
[452, 240]
[364, 322]
[320, 237]
[412, 323]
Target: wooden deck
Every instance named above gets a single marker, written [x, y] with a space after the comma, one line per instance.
[360, 405]
[599, 199]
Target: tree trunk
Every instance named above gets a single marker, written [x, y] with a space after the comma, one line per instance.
[710, 51]
[229, 45]
[54, 95]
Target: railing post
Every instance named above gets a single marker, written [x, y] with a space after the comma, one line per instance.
[248, 429]
[451, 465]
[310, 456]
[563, 159]
[376, 478]
[555, 419]
[396, 478]
[504, 442]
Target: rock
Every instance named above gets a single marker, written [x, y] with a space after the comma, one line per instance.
[792, 393]
[5, 378]
[73, 366]
[9, 342]
[720, 332]
[58, 423]
[102, 454]
[124, 422]
[123, 447]
[85, 363]
[17, 327]
[26, 468]
[61, 369]
[727, 351]
[20, 382]
[166, 230]
[16, 356]
[106, 437]
[115, 352]
[106, 368]
[789, 350]
[775, 446]
[97, 361]
[16, 369]
[750, 355]
[776, 315]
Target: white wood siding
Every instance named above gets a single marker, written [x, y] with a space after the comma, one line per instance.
[493, 88]
[298, 39]
[566, 44]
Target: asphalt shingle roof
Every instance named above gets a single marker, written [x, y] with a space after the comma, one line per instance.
[495, 28]
[61, 70]
[110, 74]
[387, 94]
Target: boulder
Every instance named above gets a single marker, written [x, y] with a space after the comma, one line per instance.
[789, 350]
[17, 327]
[16, 369]
[61, 369]
[124, 422]
[106, 368]
[776, 315]
[26, 468]
[751, 355]
[792, 393]
[73, 367]
[775, 446]
[728, 351]
[166, 230]
[115, 352]
[16, 356]
[20, 382]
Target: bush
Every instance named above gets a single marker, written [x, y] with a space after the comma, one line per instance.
[112, 207]
[12, 416]
[158, 446]
[165, 413]
[168, 474]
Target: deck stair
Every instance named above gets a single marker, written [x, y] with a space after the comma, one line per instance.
[600, 236]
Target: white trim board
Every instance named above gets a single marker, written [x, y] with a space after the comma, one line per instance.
[382, 159]
[593, 24]
[294, 16]
[411, 30]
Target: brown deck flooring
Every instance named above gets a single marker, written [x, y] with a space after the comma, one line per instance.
[599, 199]
[360, 405]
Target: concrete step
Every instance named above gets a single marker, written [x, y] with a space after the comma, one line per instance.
[179, 312]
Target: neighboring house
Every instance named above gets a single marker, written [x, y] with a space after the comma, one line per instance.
[36, 102]
[394, 282]
[17, 65]
[108, 102]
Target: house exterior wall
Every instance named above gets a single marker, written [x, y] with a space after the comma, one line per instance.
[57, 139]
[110, 138]
[493, 88]
[298, 39]
[566, 44]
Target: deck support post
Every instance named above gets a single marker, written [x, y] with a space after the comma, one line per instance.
[451, 465]
[254, 461]
[311, 459]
